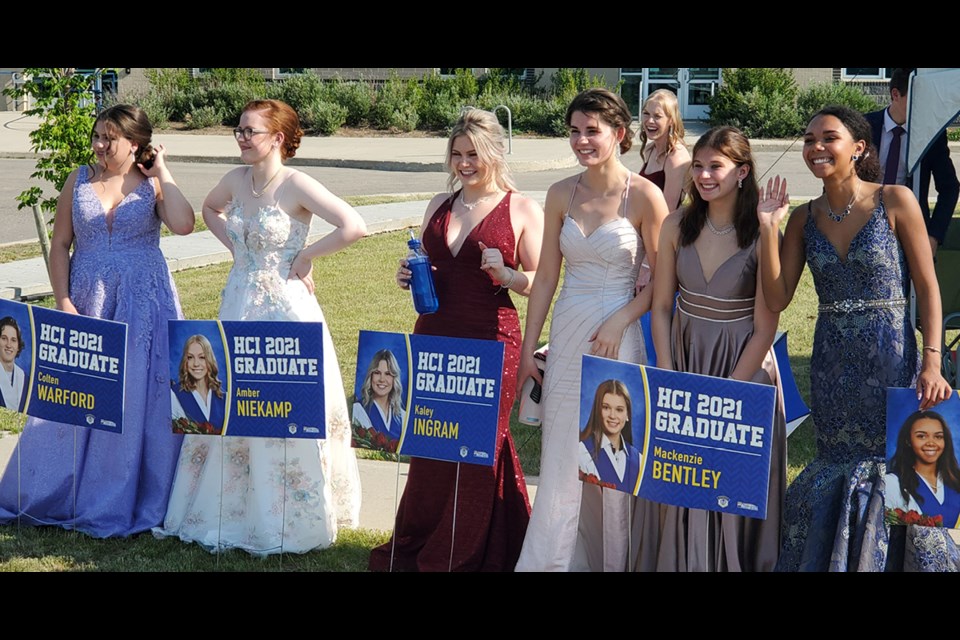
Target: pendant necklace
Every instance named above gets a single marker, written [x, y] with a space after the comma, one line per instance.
[470, 206]
[253, 189]
[838, 217]
[720, 232]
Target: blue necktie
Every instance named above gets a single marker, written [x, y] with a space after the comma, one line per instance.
[893, 157]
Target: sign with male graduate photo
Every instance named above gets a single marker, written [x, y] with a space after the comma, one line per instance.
[254, 379]
[922, 485]
[428, 396]
[677, 438]
[62, 366]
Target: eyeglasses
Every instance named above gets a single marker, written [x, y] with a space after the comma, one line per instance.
[246, 133]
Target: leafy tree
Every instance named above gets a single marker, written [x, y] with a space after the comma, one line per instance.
[65, 103]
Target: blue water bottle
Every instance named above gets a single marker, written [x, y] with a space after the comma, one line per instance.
[421, 278]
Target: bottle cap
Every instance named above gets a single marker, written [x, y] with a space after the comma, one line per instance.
[413, 242]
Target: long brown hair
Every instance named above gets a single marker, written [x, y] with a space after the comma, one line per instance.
[131, 122]
[594, 429]
[734, 145]
[608, 107]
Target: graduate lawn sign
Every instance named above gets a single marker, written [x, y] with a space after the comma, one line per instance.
[450, 396]
[939, 504]
[271, 374]
[73, 366]
[704, 442]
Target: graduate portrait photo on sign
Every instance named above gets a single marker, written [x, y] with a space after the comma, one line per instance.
[701, 442]
[197, 394]
[14, 362]
[607, 454]
[443, 391]
[379, 413]
[922, 485]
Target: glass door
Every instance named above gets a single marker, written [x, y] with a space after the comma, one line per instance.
[699, 83]
[693, 86]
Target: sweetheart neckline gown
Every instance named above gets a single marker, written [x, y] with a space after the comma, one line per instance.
[267, 495]
[122, 481]
[577, 526]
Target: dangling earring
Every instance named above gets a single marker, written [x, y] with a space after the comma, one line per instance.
[739, 183]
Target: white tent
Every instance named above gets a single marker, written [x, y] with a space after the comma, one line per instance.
[934, 103]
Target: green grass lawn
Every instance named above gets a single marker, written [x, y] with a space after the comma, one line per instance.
[356, 289]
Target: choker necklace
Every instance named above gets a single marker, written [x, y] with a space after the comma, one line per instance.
[470, 206]
[253, 189]
[838, 217]
[720, 232]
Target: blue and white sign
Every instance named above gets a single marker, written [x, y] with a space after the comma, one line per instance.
[689, 440]
[62, 367]
[254, 379]
[428, 396]
[922, 485]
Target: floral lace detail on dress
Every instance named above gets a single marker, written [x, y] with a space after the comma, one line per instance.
[294, 492]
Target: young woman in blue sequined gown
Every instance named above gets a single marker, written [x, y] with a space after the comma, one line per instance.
[101, 483]
[863, 242]
[270, 495]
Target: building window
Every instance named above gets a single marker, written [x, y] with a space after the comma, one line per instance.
[283, 72]
[865, 73]
[450, 72]
[631, 88]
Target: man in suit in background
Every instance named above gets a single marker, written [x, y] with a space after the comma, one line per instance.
[890, 123]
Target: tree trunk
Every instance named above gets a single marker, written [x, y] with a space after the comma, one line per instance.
[42, 235]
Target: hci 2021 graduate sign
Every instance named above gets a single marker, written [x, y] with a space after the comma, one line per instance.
[62, 366]
[428, 396]
[697, 441]
[256, 379]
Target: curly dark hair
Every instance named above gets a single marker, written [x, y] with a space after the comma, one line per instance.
[901, 464]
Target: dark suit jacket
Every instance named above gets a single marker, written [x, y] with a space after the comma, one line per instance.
[937, 163]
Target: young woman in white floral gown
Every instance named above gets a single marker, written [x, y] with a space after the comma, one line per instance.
[268, 495]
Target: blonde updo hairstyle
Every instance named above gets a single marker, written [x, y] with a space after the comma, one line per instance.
[489, 139]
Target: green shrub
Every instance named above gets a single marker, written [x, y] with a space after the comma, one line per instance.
[228, 100]
[440, 102]
[567, 82]
[356, 97]
[323, 117]
[817, 96]
[530, 114]
[465, 85]
[203, 117]
[953, 134]
[301, 91]
[760, 101]
[502, 80]
[156, 108]
[165, 82]
[247, 77]
[396, 105]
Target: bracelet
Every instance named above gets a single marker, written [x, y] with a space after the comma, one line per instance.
[513, 275]
[934, 350]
